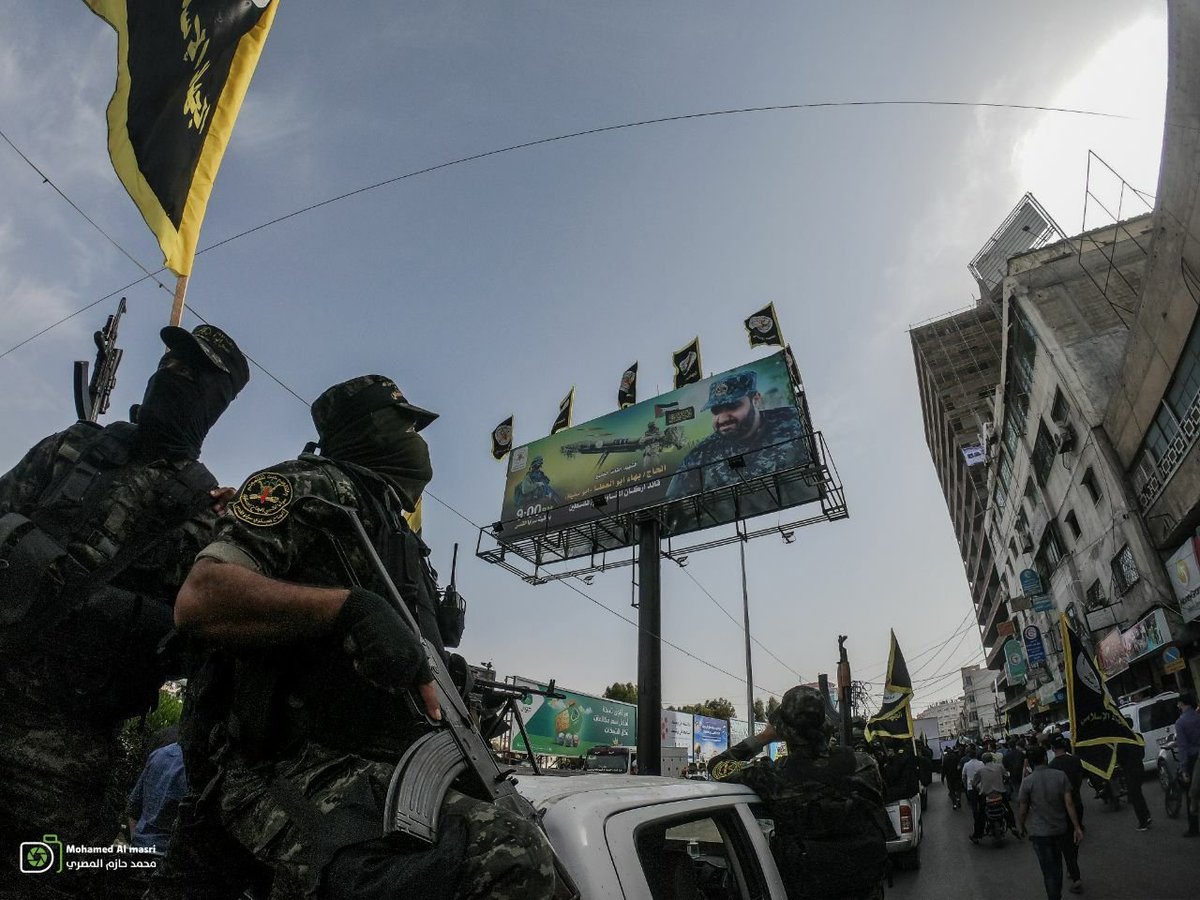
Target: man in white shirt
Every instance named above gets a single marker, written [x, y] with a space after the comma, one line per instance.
[970, 767]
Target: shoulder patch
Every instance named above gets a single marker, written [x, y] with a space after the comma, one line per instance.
[263, 500]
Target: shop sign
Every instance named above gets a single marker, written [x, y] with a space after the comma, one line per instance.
[1006, 629]
[1035, 650]
[1172, 660]
[1111, 655]
[1149, 634]
[1014, 661]
[1183, 568]
[1043, 603]
[1031, 582]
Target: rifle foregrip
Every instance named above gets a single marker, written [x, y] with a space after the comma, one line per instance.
[419, 784]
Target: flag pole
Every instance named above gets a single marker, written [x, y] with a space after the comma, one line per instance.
[177, 305]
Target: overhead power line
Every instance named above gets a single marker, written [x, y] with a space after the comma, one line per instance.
[475, 157]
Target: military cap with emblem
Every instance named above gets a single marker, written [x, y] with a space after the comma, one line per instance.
[731, 389]
[351, 400]
[208, 343]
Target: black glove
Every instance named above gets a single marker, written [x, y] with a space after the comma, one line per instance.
[384, 649]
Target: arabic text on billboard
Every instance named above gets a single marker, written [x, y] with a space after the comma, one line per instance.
[709, 737]
[573, 725]
[677, 729]
[669, 448]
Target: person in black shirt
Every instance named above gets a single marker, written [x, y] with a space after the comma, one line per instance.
[1069, 764]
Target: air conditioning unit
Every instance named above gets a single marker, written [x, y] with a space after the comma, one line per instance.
[1064, 441]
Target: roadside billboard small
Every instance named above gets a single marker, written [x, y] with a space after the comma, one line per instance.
[677, 729]
[1148, 634]
[669, 449]
[574, 724]
[709, 737]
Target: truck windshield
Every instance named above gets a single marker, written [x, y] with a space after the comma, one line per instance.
[610, 762]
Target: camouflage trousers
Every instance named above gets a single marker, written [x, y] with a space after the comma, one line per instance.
[54, 777]
[313, 825]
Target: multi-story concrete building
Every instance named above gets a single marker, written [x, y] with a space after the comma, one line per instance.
[1153, 416]
[981, 713]
[949, 716]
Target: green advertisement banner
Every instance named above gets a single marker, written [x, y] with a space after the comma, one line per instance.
[575, 724]
[668, 449]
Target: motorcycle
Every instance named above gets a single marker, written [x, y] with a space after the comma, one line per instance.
[1113, 790]
[995, 816]
[1170, 776]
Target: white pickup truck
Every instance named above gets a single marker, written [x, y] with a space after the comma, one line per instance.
[646, 838]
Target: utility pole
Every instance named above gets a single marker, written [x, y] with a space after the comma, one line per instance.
[746, 620]
[649, 745]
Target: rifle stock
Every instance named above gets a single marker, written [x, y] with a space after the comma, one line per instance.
[453, 746]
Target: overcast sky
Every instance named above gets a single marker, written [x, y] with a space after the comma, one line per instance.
[492, 287]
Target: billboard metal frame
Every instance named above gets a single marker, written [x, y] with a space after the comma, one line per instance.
[535, 556]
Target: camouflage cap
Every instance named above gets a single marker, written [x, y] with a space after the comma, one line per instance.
[344, 403]
[732, 388]
[209, 343]
[802, 708]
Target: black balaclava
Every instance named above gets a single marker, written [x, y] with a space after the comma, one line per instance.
[385, 443]
[177, 413]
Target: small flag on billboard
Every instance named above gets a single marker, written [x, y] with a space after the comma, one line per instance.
[564, 413]
[661, 409]
[627, 393]
[763, 328]
[502, 437]
[687, 364]
[182, 71]
[1097, 725]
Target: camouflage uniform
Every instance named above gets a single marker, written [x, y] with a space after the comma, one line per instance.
[779, 442]
[299, 794]
[58, 728]
[810, 861]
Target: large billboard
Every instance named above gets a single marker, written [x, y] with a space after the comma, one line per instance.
[676, 730]
[745, 431]
[573, 725]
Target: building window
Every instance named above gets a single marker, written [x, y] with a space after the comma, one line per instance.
[1024, 351]
[1094, 599]
[999, 497]
[1043, 453]
[1072, 523]
[1011, 435]
[1125, 569]
[1058, 410]
[1052, 546]
[1092, 486]
[1178, 398]
[1029, 495]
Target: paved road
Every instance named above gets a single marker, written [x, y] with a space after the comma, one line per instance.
[1116, 861]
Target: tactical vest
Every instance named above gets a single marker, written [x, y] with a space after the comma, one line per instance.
[283, 696]
[102, 511]
[829, 825]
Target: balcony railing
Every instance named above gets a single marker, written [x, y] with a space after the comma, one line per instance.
[1154, 476]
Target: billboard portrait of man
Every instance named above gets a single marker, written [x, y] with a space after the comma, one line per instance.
[760, 441]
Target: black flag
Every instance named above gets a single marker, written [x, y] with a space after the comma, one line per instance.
[1097, 725]
[894, 718]
[687, 364]
[502, 436]
[182, 71]
[627, 392]
[763, 328]
[564, 413]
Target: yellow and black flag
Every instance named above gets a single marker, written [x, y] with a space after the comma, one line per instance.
[894, 718]
[1097, 725]
[502, 438]
[182, 71]
[627, 392]
[564, 413]
[687, 364]
[763, 328]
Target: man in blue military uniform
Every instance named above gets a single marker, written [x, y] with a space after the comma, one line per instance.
[760, 442]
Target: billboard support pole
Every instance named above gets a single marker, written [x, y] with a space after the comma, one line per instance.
[746, 619]
[649, 647]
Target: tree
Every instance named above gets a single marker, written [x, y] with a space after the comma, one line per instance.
[626, 692]
[720, 708]
[760, 711]
[772, 705]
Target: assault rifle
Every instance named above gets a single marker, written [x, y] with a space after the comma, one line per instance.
[509, 694]
[451, 750]
[91, 397]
